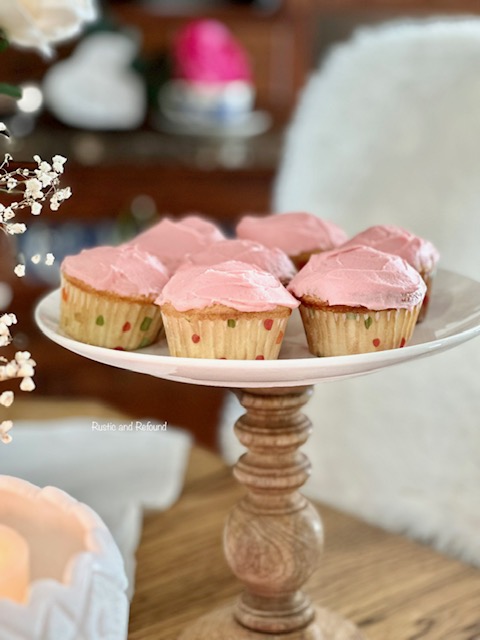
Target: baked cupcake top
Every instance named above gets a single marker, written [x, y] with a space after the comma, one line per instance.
[275, 261]
[170, 240]
[125, 270]
[234, 284]
[420, 253]
[359, 276]
[294, 233]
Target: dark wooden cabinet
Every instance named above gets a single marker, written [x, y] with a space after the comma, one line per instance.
[278, 36]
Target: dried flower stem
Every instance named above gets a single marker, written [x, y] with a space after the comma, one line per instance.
[36, 186]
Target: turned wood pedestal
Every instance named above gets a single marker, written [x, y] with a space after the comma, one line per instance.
[273, 537]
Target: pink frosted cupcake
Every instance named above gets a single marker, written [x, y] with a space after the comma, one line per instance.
[171, 240]
[357, 300]
[419, 253]
[108, 294]
[230, 310]
[275, 261]
[299, 235]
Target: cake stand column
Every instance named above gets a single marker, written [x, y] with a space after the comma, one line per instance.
[273, 537]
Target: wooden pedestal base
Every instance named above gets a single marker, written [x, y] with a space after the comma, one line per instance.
[273, 537]
[221, 625]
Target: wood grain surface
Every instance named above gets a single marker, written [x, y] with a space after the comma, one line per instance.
[391, 587]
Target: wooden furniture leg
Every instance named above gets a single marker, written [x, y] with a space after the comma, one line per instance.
[273, 537]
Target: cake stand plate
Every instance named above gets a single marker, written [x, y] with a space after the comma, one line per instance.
[273, 537]
[453, 318]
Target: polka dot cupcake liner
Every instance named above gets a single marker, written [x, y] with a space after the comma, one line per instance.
[106, 321]
[332, 333]
[256, 336]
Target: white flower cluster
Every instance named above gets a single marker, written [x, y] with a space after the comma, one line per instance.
[22, 366]
[36, 186]
[38, 24]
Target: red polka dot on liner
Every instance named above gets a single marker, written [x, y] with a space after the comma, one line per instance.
[195, 338]
[119, 349]
[268, 324]
[260, 358]
[402, 343]
[64, 295]
[376, 342]
[279, 337]
[126, 327]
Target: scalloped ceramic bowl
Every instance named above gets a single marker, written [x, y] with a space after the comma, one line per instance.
[78, 582]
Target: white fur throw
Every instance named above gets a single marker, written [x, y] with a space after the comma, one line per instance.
[388, 131]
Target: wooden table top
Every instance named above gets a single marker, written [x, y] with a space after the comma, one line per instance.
[391, 587]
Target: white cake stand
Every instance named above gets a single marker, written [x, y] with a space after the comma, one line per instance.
[273, 536]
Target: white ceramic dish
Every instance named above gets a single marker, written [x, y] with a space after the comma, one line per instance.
[453, 318]
[253, 124]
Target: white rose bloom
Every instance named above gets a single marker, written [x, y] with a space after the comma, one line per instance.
[41, 23]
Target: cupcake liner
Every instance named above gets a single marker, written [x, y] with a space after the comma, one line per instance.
[243, 336]
[334, 333]
[104, 320]
[428, 277]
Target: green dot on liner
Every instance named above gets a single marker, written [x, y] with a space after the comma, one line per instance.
[100, 321]
[231, 323]
[351, 316]
[368, 322]
[145, 326]
[144, 343]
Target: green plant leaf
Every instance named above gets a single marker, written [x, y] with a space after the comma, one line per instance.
[10, 90]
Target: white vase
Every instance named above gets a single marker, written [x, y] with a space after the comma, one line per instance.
[78, 583]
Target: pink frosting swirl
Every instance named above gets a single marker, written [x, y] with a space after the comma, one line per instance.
[125, 270]
[274, 261]
[234, 284]
[171, 240]
[205, 51]
[294, 233]
[420, 253]
[360, 277]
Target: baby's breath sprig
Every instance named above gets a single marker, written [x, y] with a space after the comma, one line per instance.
[40, 28]
[35, 187]
[22, 366]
